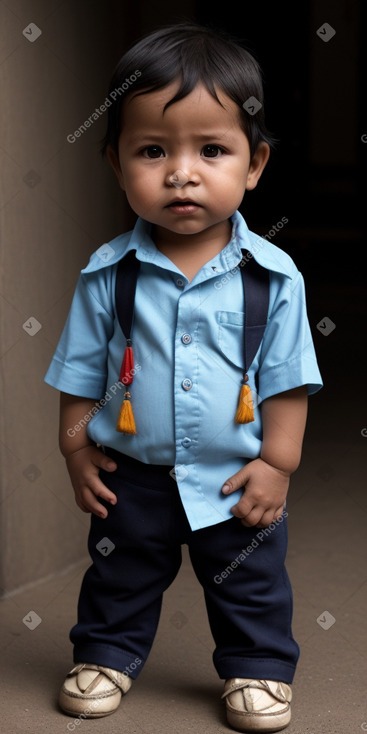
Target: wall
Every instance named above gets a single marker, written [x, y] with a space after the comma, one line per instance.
[59, 202]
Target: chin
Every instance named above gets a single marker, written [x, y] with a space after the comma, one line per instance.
[187, 229]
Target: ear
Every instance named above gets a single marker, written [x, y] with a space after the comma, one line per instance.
[115, 163]
[257, 165]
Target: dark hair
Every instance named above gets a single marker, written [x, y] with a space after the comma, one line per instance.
[192, 54]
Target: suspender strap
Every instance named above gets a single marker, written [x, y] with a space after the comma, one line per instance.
[126, 278]
[255, 281]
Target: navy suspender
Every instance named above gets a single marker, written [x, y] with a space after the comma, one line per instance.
[255, 281]
[255, 287]
[126, 277]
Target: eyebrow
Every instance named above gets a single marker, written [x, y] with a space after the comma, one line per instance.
[159, 137]
[146, 136]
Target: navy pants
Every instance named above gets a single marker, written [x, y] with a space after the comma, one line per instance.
[136, 554]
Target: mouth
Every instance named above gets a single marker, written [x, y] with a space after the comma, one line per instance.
[183, 206]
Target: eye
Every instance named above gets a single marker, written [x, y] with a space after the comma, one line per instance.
[212, 151]
[153, 151]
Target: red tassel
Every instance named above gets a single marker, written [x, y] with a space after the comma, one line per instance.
[126, 373]
[126, 421]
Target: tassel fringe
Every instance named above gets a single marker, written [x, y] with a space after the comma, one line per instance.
[126, 421]
[245, 408]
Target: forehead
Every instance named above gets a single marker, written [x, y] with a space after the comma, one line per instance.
[198, 109]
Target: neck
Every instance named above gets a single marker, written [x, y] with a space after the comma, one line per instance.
[207, 243]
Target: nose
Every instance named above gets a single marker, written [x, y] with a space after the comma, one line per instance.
[178, 179]
[179, 175]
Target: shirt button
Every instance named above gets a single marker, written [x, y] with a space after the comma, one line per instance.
[186, 442]
[186, 338]
[179, 282]
[186, 383]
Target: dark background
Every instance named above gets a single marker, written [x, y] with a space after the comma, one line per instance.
[316, 177]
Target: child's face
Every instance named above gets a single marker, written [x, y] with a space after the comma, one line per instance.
[195, 152]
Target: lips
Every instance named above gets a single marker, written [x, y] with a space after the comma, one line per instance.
[182, 202]
[183, 207]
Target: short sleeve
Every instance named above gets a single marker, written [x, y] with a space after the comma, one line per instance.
[79, 365]
[287, 357]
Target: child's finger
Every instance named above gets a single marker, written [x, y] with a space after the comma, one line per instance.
[107, 464]
[243, 508]
[104, 462]
[266, 519]
[252, 518]
[248, 512]
[100, 490]
[89, 500]
[236, 481]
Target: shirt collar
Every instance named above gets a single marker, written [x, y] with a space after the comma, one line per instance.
[139, 239]
[264, 252]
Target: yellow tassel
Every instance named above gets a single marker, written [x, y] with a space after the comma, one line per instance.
[125, 421]
[245, 408]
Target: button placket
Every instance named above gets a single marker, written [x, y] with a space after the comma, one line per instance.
[186, 397]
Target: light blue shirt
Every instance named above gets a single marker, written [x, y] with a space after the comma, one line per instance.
[188, 352]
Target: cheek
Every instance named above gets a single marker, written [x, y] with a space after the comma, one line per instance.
[226, 191]
[141, 192]
[138, 182]
[232, 180]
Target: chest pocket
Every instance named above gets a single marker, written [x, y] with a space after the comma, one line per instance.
[231, 334]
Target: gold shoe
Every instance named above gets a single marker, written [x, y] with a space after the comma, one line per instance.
[257, 705]
[91, 691]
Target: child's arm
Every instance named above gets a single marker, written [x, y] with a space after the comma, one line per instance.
[266, 480]
[83, 458]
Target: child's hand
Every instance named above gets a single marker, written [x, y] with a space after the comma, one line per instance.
[83, 467]
[265, 492]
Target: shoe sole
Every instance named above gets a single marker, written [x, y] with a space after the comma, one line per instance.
[84, 706]
[265, 723]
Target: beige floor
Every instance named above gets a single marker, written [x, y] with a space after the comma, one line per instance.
[178, 690]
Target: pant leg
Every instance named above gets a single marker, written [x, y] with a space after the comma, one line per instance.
[248, 597]
[134, 561]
